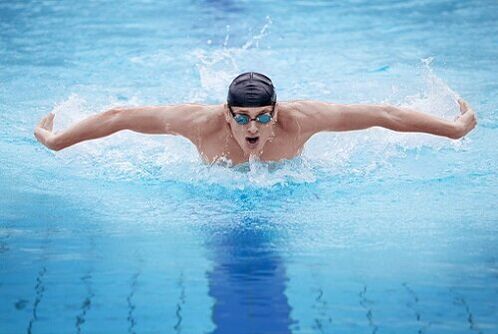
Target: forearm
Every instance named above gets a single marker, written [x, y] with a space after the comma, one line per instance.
[93, 127]
[407, 120]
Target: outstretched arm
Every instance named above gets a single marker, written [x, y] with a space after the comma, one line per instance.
[176, 119]
[322, 116]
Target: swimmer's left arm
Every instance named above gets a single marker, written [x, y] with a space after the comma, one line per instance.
[322, 116]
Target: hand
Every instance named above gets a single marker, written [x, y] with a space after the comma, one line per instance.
[467, 119]
[43, 131]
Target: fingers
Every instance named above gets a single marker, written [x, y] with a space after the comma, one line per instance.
[47, 122]
[473, 120]
[40, 135]
[49, 125]
[42, 122]
[467, 118]
[464, 106]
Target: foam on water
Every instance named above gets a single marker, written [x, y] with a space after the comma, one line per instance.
[217, 67]
[131, 156]
[362, 226]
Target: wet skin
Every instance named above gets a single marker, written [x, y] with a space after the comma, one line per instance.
[218, 137]
[279, 139]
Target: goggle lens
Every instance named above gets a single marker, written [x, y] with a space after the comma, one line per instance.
[244, 119]
[263, 119]
[241, 119]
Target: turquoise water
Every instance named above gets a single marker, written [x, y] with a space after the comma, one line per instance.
[366, 232]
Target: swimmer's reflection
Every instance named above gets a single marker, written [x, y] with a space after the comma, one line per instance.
[248, 280]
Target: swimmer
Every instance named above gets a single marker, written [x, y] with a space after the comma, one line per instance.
[252, 123]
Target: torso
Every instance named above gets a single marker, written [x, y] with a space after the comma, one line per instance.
[220, 145]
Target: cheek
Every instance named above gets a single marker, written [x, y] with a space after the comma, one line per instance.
[236, 131]
[239, 135]
[266, 131]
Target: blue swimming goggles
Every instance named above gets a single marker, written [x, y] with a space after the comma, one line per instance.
[243, 119]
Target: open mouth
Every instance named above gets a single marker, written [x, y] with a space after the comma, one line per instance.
[252, 140]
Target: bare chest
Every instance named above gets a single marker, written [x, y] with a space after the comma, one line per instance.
[224, 147]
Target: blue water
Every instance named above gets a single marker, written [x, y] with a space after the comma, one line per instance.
[366, 232]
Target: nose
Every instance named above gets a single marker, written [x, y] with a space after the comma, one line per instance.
[253, 129]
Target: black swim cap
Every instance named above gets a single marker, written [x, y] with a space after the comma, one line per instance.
[251, 89]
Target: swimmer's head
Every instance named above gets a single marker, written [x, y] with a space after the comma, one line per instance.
[251, 89]
[251, 111]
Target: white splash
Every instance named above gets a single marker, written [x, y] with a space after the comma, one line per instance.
[218, 67]
[335, 151]
[132, 156]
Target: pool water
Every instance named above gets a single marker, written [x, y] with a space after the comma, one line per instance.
[366, 232]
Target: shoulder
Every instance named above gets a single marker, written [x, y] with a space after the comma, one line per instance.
[308, 116]
[205, 120]
[303, 108]
[288, 112]
[299, 113]
[193, 121]
[210, 117]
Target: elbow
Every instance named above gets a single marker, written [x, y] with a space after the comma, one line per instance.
[391, 112]
[114, 112]
[390, 117]
[114, 118]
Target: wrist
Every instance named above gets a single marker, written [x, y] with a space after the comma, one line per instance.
[53, 142]
[458, 130]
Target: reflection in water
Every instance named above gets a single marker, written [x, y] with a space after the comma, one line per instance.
[87, 302]
[247, 280]
[180, 304]
[132, 322]
[39, 290]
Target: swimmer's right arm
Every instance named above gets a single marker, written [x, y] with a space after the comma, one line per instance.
[174, 119]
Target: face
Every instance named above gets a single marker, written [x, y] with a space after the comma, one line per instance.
[252, 136]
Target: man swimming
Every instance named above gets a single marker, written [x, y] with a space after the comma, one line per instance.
[252, 123]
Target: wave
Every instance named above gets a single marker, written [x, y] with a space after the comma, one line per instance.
[130, 156]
